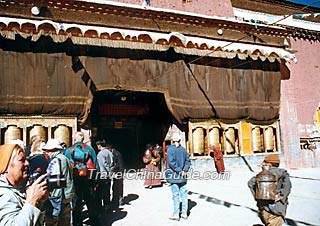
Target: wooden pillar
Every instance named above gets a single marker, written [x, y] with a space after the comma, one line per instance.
[24, 134]
[49, 132]
[245, 140]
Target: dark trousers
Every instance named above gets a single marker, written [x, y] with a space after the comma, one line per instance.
[84, 193]
[117, 191]
[103, 192]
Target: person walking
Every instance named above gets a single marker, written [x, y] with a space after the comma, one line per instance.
[105, 163]
[176, 175]
[83, 159]
[60, 198]
[151, 158]
[19, 205]
[272, 212]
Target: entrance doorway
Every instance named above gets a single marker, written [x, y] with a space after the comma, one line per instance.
[124, 140]
[129, 121]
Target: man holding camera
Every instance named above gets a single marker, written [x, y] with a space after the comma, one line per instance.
[19, 205]
[60, 182]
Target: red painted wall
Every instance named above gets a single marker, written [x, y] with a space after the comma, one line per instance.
[305, 79]
[205, 7]
[300, 97]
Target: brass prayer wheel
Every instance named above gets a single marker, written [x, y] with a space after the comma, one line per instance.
[266, 184]
[12, 133]
[256, 139]
[230, 140]
[62, 133]
[198, 141]
[269, 138]
[38, 130]
[214, 137]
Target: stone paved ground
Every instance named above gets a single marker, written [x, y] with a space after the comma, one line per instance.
[216, 202]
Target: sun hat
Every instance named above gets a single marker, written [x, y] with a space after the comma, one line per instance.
[5, 155]
[52, 144]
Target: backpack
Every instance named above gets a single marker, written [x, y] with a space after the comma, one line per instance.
[55, 177]
[117, 163]
[81, 159]
[38, 163]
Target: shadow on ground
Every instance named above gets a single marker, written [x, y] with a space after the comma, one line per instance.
[129, 198]
[191, 204]
[227, 204]
[294, 222]
[219, 201]
[109, 217]
[305, 178]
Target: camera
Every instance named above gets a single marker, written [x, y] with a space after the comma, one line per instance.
[53, 181]
[56, 181]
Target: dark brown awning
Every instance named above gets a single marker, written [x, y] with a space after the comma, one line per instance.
[43, 83]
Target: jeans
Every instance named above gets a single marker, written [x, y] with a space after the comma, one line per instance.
[179, 191]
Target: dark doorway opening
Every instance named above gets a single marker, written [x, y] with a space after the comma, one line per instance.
[129, 120]
[124, 140]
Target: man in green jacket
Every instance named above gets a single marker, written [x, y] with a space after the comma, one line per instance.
[272, 213]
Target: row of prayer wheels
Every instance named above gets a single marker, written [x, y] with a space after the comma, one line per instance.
[61, 132]
[214, 138]
[262, 139]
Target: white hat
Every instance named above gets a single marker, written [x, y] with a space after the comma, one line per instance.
[176, 137]
[52, 144]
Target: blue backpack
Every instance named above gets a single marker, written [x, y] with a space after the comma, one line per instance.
[81, 159]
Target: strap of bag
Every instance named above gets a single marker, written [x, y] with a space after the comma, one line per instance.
[86, 156]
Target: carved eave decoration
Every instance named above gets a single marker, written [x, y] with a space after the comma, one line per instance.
[285, 9]
[276, 7]
[119, 26]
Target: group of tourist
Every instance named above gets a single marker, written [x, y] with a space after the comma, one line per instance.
[52, 182]
[44, 183]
